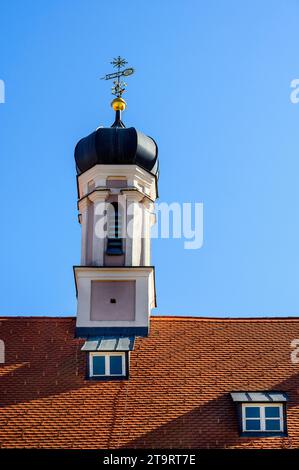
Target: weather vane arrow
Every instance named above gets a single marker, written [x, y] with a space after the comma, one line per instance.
[123, 73]
[119, 86]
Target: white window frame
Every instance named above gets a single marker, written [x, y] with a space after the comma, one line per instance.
[107, 356]
[263, 418]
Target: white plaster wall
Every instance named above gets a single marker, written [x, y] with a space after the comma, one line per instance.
[144, 299]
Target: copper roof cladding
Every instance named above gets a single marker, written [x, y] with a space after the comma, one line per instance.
[117, 145]
[178, 394]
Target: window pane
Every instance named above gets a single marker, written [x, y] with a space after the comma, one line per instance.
[98, 365]
[272, 425]
[252, 411]
[253, 425]
[272, 411]
[116, 365]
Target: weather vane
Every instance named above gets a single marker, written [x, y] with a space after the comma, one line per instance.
[119, 86]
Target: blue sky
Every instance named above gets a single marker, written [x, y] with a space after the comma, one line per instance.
[212, 86]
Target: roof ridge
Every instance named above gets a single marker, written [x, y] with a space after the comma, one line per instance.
[224, 319]
[35, 317]
[163, 318]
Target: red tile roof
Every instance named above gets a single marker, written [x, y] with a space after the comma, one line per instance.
[177, 394]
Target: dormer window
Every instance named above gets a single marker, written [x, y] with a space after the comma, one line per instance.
[107, 364]
[108, 356]
[262, 417]
[261, 413]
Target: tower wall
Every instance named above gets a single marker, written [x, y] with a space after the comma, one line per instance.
[115, 286]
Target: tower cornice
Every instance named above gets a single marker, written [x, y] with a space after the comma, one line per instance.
[133, 173]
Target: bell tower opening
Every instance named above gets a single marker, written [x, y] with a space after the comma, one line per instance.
[114, 230]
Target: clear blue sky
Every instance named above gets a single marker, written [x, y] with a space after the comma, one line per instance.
[212, 86]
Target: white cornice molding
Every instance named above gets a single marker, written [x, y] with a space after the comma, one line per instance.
[83, 205]
[98, 195]
[113, 271]
[130, 172]
[133, 194]
[115, 170]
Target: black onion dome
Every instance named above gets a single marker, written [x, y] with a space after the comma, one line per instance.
[117, 145]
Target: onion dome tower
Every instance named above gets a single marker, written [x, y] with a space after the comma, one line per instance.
[117, 170]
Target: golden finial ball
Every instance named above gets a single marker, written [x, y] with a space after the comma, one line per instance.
[118, 104]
